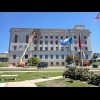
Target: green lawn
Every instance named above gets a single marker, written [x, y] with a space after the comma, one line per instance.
[98, 63]
[63, 83]
[4, 64]
[31, 75]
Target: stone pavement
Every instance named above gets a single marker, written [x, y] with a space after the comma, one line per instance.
[27, 83]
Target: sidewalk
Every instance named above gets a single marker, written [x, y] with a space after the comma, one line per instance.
[27, 83]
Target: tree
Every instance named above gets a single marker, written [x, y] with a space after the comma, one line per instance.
[69, 59]
[33, 61]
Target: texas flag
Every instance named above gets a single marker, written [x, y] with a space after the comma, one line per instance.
[97, 17]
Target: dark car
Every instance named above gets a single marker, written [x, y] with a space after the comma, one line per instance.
[42, 65]
[95, 66]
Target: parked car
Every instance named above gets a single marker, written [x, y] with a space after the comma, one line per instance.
[42, 65]
[95, 66]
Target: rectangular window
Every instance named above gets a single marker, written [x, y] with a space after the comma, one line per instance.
[35, 37]
[14, 56]
[57, 48]
[51, 37]
[41, 42]
[46, 37]
[51, 63]
[84, 37]
[85, 42]
[41, 37]
[51, 56]
[26, 56]
[86, 56]
[67, 48]
[66, 36]
[51, 42]
[51, 48]
[62, 56]
[35, 55]
[40, 56]
[46, 56]
[56, 37]
[46, 42]
[41, 49]
[56, 42]
[15, 47]
[61, 37]
[74, 37]
[62, 48]
[16, 39]
[35, 48]
[86, 48]
[57, 57]
[62, 63]
[75, 48]
[57, 63]
[35, 41]
[46, 48]
[27, 38]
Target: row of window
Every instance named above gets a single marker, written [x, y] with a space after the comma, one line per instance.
[46, 48]
[41, 56]
[46, 37]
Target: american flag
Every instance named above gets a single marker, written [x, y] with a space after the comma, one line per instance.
[97, 17]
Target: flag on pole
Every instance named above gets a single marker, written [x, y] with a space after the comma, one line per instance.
[66, 41]
[80, 42]
[97, 17]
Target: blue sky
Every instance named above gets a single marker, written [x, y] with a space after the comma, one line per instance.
[48, 20]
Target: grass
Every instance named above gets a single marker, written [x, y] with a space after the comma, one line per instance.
[98, 63]
[4, 64]
[22, 76]
[63, 83]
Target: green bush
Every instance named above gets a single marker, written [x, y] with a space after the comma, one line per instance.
[4, 64]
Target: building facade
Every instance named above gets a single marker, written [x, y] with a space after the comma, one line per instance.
[46, 44]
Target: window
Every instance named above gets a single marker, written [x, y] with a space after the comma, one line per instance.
[57, 48]
[57, 57]
[62, 48]
[46, 37]
[84, 37]
[16, 38]
[35, 41]
[86, 56]
[15, 47]
[66, 36]
[41, 37]
[67, 48]
[85, 42]
[75, 48]
[51, 48]
[62, 56]
[35, 48]
[46, 48]
[27, 38]
[56, 42]
[35, 37]
[41, 42]
[51, 37]
[74, 37]
[41, 49]
[14, 56]
[57, 63]
[62, 63]
[51, 63]
[26, 56]
[40, 56]
[75, 42]
[51, 42]
[51, 56]
[46, 56]
[61, 37]
[56, 37]
[46, 42]
[86, 48]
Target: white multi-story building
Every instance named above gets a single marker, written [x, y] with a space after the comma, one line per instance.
[46, 44]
